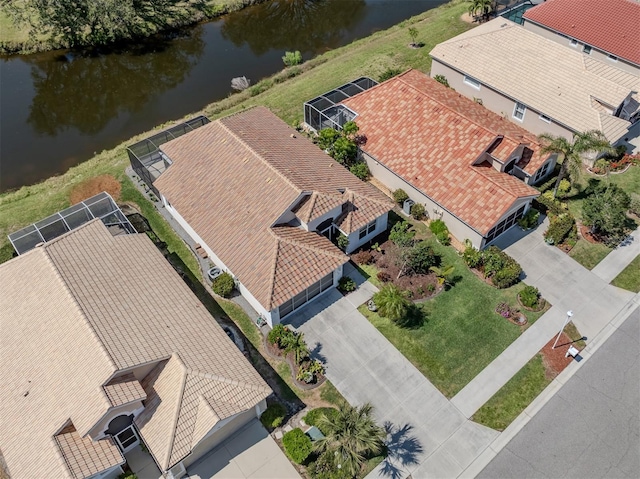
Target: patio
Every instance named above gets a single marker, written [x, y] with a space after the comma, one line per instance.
[142, 464]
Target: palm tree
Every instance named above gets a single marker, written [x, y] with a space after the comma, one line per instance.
[483, 6]
[443, 273]
[295, 344]
[351, 437]
[569, 151]
[392, 302]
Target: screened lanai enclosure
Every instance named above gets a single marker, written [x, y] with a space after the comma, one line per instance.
[99, 206]
[325, 110]
[145, 156]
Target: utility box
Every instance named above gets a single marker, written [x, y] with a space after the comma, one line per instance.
[406, 206]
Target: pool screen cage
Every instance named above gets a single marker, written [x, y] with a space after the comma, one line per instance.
[325, 110]
[146, 158]
[99, 206]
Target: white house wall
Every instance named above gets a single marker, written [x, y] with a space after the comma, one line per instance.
[499, 103]
[392, 181]
[98, 431]
[355, 242]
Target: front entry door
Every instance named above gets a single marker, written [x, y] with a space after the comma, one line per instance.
[127, 439]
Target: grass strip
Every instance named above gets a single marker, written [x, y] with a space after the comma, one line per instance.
[629, 278]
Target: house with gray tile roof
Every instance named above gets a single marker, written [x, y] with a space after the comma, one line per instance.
[103, 346]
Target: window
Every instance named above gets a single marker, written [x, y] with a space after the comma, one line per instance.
[586, 49]
[519, 111]
[504, 225]
[472, 82]
[545, 118]
[574, 42]
[305, 296]
[367, 230]
[613, 58]
[541, 173]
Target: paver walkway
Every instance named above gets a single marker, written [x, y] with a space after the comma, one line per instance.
[567, 286]
[429, 436]
[619, 258]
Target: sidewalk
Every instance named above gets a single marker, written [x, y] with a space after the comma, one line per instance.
[618, 259]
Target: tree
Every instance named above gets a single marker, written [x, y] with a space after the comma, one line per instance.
[401, 235]
[486, 7]
[604, 210]
[569, 151]
[351, 437]
[413, 33]
[392, 302]
[422, 258]
[443, 273]
[81, 23]
[296, 344]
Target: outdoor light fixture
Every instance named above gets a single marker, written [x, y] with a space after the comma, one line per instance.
[569, 314]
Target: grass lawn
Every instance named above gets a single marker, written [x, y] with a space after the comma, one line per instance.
[589, 254]
[629, 278]
[459, 324]
[514, 397]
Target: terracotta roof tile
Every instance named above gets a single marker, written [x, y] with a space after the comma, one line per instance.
[232, 179]
[611, 26]
[431, 136]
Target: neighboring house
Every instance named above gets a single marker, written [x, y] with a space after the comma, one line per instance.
[103, 344]
[265, 203]
[538, 83]
[466, 164]
[607, 31]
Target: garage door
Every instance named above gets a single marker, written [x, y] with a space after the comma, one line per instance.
[305, 296]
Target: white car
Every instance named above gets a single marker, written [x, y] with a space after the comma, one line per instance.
[213, 273]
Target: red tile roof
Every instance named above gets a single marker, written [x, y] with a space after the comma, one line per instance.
[431, 136]
[610, 25]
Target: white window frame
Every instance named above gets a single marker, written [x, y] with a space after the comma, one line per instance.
[586, 49]
[472, 82]
[545, 118]
[516, 110]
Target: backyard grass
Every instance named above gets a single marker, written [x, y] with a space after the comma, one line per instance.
[461, 333]
[589, 254]
[629, 278]
[514, 397]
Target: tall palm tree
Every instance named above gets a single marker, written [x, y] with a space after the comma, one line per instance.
[483, 6]
[569, 151]
[351, 436]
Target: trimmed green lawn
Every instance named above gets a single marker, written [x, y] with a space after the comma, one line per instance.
[629, 278]
[461, 333]
[589, 254]
[514, 397]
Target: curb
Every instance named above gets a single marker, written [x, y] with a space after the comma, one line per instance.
[543, 398]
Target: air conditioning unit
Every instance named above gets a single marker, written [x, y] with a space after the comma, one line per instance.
[406, 206]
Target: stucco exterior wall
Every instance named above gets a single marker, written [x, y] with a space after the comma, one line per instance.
[595, 52]
[499, 103]
[98, 431]
[392, 181]
[354, 238]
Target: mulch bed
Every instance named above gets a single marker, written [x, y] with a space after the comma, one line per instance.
[418, 284]
[554, 360]
[276, 353]
[586, 234]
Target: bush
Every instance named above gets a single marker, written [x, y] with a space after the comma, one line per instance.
[438, 226]
[127, 475]
[324, 467]
[417, 211]
[564, 187]
[392, 303]
[421, 258]
[292, 58]
[346, 284]
[442, 79]
[507, 276]
[401, 236]
[634, 205]
[273, 416]
[343, 242]
[559, 228]
[361, 170]
[93, 186]
[223, 285]
[500, 267]
[383, 276]
[530, 219]
[400, 196]
[472, 257]
[529, 296]
[313, 417]
[548, 204]
[443, 238]
[389, 73]
[362, 257]
[280, 335]
[297, 445]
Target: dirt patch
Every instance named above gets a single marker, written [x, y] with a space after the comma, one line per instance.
[93, 186]
[587, 236]
[555, 360]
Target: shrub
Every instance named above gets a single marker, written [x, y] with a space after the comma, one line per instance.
[417, 211]
[343, 242]
[7, 252]
[93, 186]
[559, 228]
[443, 238]
[280, 335]
[507, 276]
[128, 475]
[529, 296]
[223, 285]
[344, 151]
[383, 276]
[362, 257]
[389, 73]
[549, 204]
[297, 445]
[500, 267]
[273, 416]
[292, 58]
[564, 187]
[605, 211]
[442, 79]
[346, 284]
[361, 170]
[392, 302]
[438, 226]
[400, 196]
[634, 204]
[401, 236]
[324, 467]
[530, 219]
[313, 417]
[421, 258]
[326, 138]
[504, 310]
[472, 257]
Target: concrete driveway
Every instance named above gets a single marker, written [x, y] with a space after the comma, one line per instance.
[251, 453]
[428, 436]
